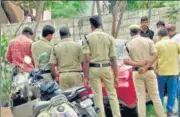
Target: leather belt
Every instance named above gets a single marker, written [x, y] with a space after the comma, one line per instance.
[137, 68]
[99, 65]
[69, 71]
[46, 71]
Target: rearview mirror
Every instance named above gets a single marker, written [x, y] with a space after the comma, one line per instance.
[43, 56]
[27, 60]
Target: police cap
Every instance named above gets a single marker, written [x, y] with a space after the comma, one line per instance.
[95, 21]
[135, 27]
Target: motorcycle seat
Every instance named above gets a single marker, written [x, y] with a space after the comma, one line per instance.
[74, 90]
[39, 106]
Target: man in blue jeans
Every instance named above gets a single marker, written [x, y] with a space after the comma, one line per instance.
[171, 28]
[179, 98]
[167, 68]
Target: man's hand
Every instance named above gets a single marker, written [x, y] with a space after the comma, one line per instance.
[116, 82]
[142, 70]
[86, 82]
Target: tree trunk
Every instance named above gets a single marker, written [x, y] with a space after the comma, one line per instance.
[4, 19]
[149, 8]
[114, 17]
[93, 8]
[99, 13]
[10, 13]
[123, 8]
[38, 18]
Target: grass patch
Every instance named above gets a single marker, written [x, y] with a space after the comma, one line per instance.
[150, 111]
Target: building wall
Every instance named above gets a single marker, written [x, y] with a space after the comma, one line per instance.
[80, 26]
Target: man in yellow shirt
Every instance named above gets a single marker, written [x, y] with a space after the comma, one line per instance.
[167, 68]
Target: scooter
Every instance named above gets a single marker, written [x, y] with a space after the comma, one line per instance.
[21, 98]
[57, 106]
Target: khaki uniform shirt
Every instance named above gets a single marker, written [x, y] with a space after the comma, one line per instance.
[140, 49]
[68, 55]
[101, 47]
[38, 48]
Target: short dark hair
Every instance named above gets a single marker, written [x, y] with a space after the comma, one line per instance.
[47, 29]
[144, 18]
[134, 32]
[160, 23]
[27, 30]
[95, 21]
[163, 32]
[64, 31]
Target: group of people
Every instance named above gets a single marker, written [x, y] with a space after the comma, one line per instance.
[97, 59]
[155, 60]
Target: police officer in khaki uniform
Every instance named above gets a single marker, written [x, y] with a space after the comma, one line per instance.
[140, 53]
[41, 46]
[100, 61]
[68, 55]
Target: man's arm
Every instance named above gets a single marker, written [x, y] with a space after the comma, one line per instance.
[86, 66]
[154, 56]
[31, 54]
[86, 52]
[151, 61]
[53, 64]
[114, 66]
[8, 54]
[129, 61]
[178, 47]
[134, 63]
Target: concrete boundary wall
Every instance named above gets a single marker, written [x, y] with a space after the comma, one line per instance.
[80, 26]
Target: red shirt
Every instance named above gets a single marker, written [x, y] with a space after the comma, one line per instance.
[17, 49]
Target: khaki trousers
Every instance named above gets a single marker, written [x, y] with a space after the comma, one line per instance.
[147, 81]
[105, 73]
[69, 80]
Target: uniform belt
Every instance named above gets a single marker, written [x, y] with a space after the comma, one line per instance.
[69, 71]
[99, 65]
[46, 71]
[137, 68]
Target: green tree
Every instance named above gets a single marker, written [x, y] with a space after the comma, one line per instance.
[65, 8]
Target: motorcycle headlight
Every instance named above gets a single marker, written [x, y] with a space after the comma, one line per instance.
[86, 103]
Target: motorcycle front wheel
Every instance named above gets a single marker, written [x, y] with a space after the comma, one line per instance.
[91, 112]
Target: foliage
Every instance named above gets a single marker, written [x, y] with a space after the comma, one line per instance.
[173, 7]
[4, 44]
[173, 12]
[58, 8]
[139, 5]
[5, 90]
[65, 8]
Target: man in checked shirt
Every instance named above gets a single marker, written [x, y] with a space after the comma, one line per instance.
[20, 47]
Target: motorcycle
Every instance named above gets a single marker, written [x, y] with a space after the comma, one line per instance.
[84, 103]
[49, 89]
